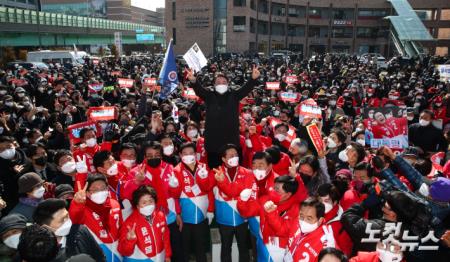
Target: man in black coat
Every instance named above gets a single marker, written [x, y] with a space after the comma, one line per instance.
[73, 239]
[222, 112]
[425, 135]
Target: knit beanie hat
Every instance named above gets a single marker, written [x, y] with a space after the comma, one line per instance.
[63, 189]
[29, 181]
[12, 221]
[440, 189]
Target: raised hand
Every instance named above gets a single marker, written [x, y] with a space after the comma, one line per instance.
[219, 176]
[18, 168]
[293, 169]
[173, 181]
[269, 206]
[81, 165]
[245, 194]
[190, 75]
[140, 175]
[255, 72]
[80, 195]
[202, 173]
[131, 234]
[328, 236]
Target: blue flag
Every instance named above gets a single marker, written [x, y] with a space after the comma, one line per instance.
[168, 77]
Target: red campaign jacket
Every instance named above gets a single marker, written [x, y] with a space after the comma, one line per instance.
[306, 247]
[80, 179]
[260, 142]
[282, 167]
[441, 113]
[158, 178]
[382, 131]
[399, 125]
[246, 153]
[341, 236]
[89, 152]
[350, 197]
[152, 239]
[231, 189]
[271, 223]
[102, 220]
[372, 102]
[341, 100]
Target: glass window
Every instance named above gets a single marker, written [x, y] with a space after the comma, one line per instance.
[372, 13]
[445, 14]
[278, 29]
[263, 27]
[263, 6]
[316, 12]
[444, 33]
[342, 32]
[252, 25]
[174, 35]
[278, 9]
[174, 10]
[367, 32]
[343, 14]
[296, 47]
[239, 3]
[253, 4]
[239, 23]
[297, 11]
[318, 31]
[67, 60]
[296, 30]
[425, 15]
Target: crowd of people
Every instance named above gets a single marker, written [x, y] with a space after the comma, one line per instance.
[235, 158]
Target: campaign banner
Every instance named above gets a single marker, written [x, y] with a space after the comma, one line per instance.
[195, 58]
[102, 113]
[96, 87]
[125, 82]
[316, 137]
[289, 97]
[312, 111]
[386, 126]
[116, 73]
[444, 72]
[149, 81]
[272, 85]
[290, 80]
[189, 93]
[74, 131]
[273, 122]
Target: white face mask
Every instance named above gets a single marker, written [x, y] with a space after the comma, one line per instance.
[91, 142]
[410, 118]
[188, 159]
[332, 102]
[8, 153]
[233, 162]
[259, 174]
[331, 143]
[192, 133]
[343, 156]
[99, 197]
[280, 137]
[423, 122]
[328, 206]
[129, 162]
[247, 116]
[168, 150]
[64, 229]
[39, 193]
[302, 149]
[306, 227]
[68, 167]
[221, 89]
[388, 256]
[12, 241]
[9, 104]
[112, 170]
[361, 142]
[147, 210]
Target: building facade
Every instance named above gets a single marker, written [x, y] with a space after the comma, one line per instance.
[345, 26]
[24, 4]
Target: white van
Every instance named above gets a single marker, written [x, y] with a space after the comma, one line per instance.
[61, 57]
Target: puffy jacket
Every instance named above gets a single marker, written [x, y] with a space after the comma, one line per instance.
[152, 241]
[80, 241]
[103, 223]
[194, 200]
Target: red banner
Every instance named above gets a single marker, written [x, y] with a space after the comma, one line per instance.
[272, 85]
[290, 80]
[125, 82]
[289, 97]
[149, 81]
[74, 131]
[189, 93]
[116, 73]
[310, 110]
[316, 137]
[102, 113]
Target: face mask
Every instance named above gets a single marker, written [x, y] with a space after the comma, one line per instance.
[168, 150]
[259, 174]
[202, 130]
[112, 170]
[154, 162]
[68, 167]
[12, 241]
[371, 116]
[416, 104]
[221, 89]
[3, 92]
[192, 133]
[423, 122]
[9, 104]
[361, 141]
[280, 137]
[393, 97]
[276, 113]
[306, 227]
[8, 154]
[188, 160]
[20, 95]
[438, 104]
[91, 142]
[302, 149]
[328, 207]
[343, 156]
[147, 210]
[388, 256]
[64, 229]
[233, 162]
[99, 197]
[331, 143]
[332, 102]
[1, 130]
[42, 161]
[369, 94]
[247, 116]
[183, 119]
[104, 125]
[39, 193]
[410, 118]
[128, 162]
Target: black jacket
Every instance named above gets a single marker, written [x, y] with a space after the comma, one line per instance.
[222, 115]
[429, 138]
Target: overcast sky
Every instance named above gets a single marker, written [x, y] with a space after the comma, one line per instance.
[148, 4]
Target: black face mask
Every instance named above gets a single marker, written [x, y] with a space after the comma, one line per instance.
[154, 162]
[183, 119]
[305, 178]
[42, 161]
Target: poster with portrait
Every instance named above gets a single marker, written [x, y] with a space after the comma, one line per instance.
[386, 126]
